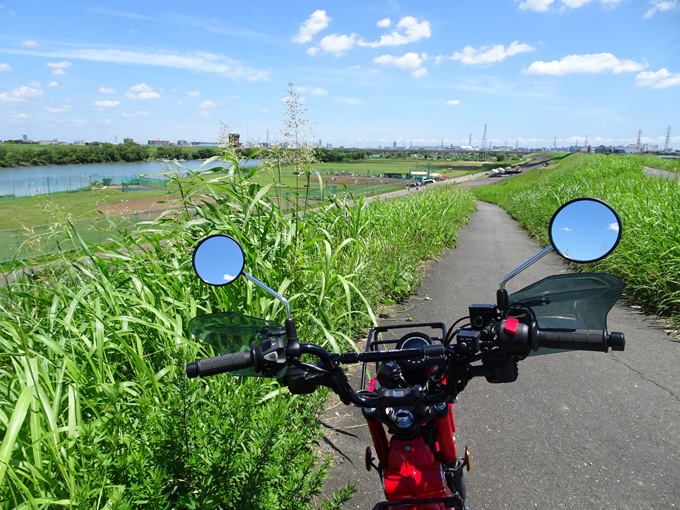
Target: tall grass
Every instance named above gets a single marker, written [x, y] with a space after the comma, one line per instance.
[669, 164]
[95, 411]
[648, 258]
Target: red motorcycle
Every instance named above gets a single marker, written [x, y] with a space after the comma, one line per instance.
[419, 369]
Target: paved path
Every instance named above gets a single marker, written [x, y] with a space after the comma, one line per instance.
[656, 172]
[577, 430]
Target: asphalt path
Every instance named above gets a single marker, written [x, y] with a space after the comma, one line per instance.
[577, 430]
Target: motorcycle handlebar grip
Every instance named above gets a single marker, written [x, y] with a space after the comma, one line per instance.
[582, 340]
[219, 364]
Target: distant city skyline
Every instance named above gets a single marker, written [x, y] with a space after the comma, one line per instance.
[367, 74]
[627, 149]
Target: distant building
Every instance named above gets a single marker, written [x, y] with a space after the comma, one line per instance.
[79, 142]
[51, 142]
[128, 140]
[183, 143]
[159, 143]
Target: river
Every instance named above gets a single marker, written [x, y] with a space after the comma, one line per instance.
[38, 180]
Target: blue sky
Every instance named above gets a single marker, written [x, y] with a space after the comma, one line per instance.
[369, 73]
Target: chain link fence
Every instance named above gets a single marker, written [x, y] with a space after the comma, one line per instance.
[34, 186]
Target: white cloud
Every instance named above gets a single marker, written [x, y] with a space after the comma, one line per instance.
[205, 114]
[53, 84]
[544, 5]
[591, 64]
[535, 5]
[21, 94]
[337, 44]
[317, 22]
[141, 113]
[491, 53]
[30, 44]
[59, 109]
[658, 80]
[409, 29]
[105, 104]
[384, 23]
[197, 62]
[574, 4]
[59, 67]
[288, 99]
[194, 93]
[411, 62]
[453, 102]
[660, 6]
[5, 67]
[20, 116]
[207, 104]
[142, 91]
[107, 90]
[318, 91]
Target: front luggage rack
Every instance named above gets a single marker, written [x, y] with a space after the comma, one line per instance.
[450, 502]
[374, 344]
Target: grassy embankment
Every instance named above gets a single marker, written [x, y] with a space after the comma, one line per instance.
[95, 411]
[671, 165]
[39, 217]
[44, 209]
[648, 258]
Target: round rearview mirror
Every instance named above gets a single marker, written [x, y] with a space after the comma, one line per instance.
[218, 260]
[585, 230]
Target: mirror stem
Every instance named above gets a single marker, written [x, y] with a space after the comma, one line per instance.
[291, 330]
[521, 268]
[272, 292]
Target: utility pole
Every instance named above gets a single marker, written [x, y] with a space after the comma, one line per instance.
[666, 146]
[637, 146]
[484, 138]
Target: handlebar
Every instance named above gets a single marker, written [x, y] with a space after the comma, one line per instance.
[581, 339]
[512, 339]
[220, 364]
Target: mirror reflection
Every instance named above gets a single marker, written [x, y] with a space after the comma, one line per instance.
[218, 260]
[585, 230]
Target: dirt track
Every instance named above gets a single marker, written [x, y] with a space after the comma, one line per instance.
[137, 205]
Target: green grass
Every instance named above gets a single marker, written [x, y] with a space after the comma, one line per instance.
[44, 209]
[648, 258]
[671, 165]
[95, 411]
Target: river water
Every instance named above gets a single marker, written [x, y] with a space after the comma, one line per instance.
[38, 180]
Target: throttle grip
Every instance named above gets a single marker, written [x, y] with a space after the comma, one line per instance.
[220, 364]
[581, 339]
